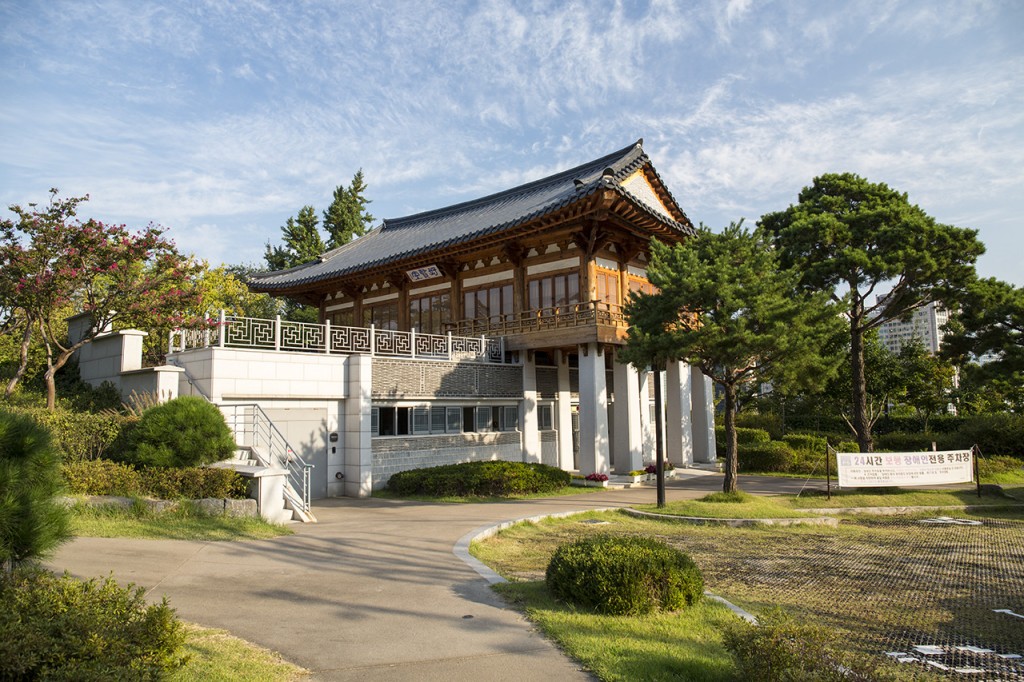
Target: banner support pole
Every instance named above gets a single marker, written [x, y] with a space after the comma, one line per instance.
[828, 471]
[975, 451]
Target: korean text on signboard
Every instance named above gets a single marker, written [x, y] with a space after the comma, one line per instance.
[426, 272]
[878, 469]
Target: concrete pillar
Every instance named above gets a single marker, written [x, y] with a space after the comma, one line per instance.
[629, 454]
[563, 407]
[649, 444]
[528, 412]
[703, 413]
[358, 461]
[678, 420]
[594, 443]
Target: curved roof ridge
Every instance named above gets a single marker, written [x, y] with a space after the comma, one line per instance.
[490, 198]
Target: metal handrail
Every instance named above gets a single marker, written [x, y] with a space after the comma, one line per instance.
[279, 450]
[254, 429]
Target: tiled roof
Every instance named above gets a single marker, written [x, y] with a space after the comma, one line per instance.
[407, 237]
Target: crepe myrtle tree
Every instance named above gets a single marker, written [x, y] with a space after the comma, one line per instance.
[856, 240]
[53, 260]
[724, 305]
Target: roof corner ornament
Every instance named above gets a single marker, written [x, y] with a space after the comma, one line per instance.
[579, 184]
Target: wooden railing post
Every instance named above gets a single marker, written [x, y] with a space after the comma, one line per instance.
[277, 332]
[373, 340]
[223, 327]
[327, 336]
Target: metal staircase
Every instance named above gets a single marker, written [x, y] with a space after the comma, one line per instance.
[260, 440]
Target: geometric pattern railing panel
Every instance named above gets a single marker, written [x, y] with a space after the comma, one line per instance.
[277, 334]
[302, 336]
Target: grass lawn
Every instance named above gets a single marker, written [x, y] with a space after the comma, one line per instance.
[453, 499]
[184, 523]
[882, 583]
[217, 655]
[723, 506]
[898, 497]
[673, 646]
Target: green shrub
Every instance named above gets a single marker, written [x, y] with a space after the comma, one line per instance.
[103, 477]
[743, 436]
[487, 479]
[898, 441]
[628, 575]
[779, 649]
[995, 434]
[85, 435]
[805, 442]
[186, 431]
[998, 464]
[771, 423]
[60, 628]
[193, 483]
[32, 522]
[770, 456]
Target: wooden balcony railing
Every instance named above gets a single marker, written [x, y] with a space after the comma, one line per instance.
[586, 314]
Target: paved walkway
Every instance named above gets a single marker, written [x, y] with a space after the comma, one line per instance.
[372, 591]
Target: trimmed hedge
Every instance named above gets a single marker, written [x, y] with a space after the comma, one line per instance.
[743, 436]
[806, 442]
[60, 628]
[84, 435]
[479, 479]
[627, 575]
[770, 456]
[104, 477]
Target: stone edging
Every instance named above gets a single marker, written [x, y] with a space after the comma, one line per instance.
[735, 523]
[211, 505]
[461, 550]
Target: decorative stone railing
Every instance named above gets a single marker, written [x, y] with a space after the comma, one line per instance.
[303, 337]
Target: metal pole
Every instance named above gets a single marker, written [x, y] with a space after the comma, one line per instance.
[975, 451]
[659, 445]
[828, 471]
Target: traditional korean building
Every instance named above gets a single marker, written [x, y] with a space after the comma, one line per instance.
[484, 330]
[545, 267]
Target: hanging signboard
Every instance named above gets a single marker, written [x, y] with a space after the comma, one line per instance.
[902, 469]
[426, 272]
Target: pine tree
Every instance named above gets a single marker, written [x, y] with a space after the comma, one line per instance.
[302, 242]
[852, 238]
[347, 218]
[32, 522]
[726, 307]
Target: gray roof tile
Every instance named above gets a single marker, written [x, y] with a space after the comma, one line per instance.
[406, 237]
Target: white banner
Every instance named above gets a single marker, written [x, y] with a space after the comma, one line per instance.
[902, 469]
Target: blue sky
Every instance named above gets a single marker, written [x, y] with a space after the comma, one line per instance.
[221, 119]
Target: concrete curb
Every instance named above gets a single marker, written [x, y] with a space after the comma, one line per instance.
[461, 550]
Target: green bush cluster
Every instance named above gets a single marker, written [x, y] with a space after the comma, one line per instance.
[60, 628]
[627, 575]
[772, 423]
[774, 456]
[743, 436]
[780, 649]
[479, 479]
[84, 435]
[186, 431]
[805, 441]
[104, 477]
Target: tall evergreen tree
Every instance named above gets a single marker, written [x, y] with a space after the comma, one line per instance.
[347, 218]
[853, 238]
[725, 306]
[302, 241]
[32, 521]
